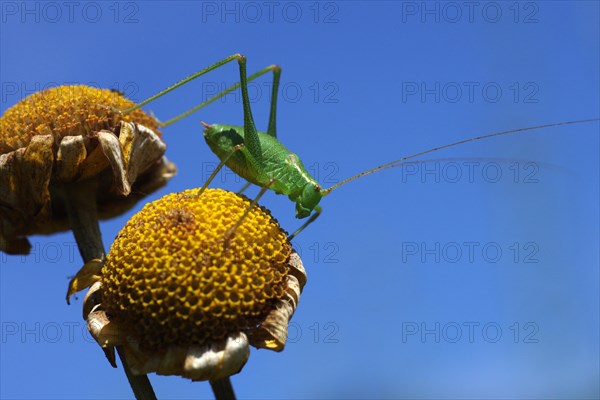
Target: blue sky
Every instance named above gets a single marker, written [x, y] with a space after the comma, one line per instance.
[473, 276]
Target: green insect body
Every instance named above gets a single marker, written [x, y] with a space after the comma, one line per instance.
[263, 160]
[274, 161]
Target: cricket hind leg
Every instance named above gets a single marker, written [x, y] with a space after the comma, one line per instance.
[218, 96]
[251, 138]
[250, 134]
[272, 129]
[276, 71]
[312, 219]
[181, 83]
[232, 230]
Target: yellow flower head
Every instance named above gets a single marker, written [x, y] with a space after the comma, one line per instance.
[176, 292]
[66, 111]
[64, 136]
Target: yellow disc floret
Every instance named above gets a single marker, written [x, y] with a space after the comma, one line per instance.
[172, 278]
[65, 111]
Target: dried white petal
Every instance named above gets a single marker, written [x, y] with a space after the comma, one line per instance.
[172, 361]
[92, 299]
[208, 362]
[102, 330]
[106, 333]
[217, 360]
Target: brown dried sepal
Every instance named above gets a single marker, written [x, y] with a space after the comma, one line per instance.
[210, 361]
[32, 177]
[272, 332]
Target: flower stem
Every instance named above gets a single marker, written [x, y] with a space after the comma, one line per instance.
[81, 208]
[139, 383]
[222, 389]
[80, 203]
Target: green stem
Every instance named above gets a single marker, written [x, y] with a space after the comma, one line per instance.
[222, 389]
[80, 202]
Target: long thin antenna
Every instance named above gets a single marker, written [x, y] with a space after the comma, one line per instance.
[398, 162]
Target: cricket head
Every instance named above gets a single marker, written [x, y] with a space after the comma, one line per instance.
[222, 138]
[213, 133]
[308, 199]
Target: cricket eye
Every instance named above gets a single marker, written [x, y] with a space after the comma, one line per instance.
[317, 188]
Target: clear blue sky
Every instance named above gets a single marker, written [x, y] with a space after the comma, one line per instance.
[476, 276]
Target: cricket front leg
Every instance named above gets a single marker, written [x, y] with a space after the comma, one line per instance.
[219, 167]
[243, 189]
[232, 230]
[312, 219]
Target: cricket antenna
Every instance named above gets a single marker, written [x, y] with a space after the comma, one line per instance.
[401, 161]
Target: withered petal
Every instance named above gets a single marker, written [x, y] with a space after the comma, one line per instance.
[141, 148]
[106, 333]
[99, 322]
[85, 277]
[24, 178]
[111, 147]
[95, 161]
[71, 154]
[49, 147]
[217, 360]
[163, 362]
[208, 362]
[92, 299]
[156, 177]
[297, 269]
[37, 168]
[172, 360]
[272, 332]
[14, 245]
[139, 361]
